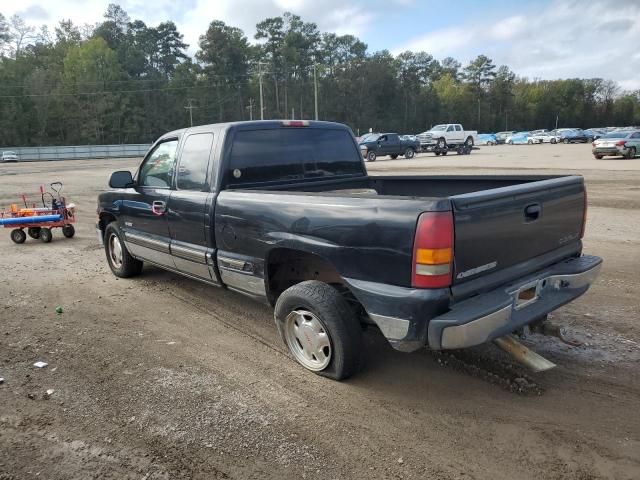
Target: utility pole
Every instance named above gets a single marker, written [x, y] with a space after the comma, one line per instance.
[506, 119]
[261, 96]
[315, 90]
[557, 121]
[478, 126]
[293, 113]
[190, 107]
[250, 108]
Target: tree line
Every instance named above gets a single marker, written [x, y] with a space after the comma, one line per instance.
[122, 81]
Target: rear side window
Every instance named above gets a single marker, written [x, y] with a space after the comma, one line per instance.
[287, 154]
[157, 169]
[458, 128]
[194, 162]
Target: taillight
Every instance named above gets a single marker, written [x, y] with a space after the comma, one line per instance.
[621, 143]
[433, 251]
[584, 214]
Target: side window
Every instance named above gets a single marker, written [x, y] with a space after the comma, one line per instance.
[450, 128]
[157, 169]
[458, 128]
[636, 135]
[194, 162]
[383, 138]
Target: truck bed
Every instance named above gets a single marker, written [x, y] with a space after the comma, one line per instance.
[505, 226]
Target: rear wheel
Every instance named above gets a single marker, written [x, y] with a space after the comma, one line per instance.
[320, 329]
[469, 142]
[437, 154]
[631, 153]
[120, 261]
[68, 230]
[45, 235]
[598, 157]
[34, 232]
[18, 235]
[409, 153]
[442, 143]
[530, 142]
[371, 156]
[565, 141]
[553, 140]
[393, 157]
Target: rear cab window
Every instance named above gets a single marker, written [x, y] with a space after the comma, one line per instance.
[194, 162]
[291, 154]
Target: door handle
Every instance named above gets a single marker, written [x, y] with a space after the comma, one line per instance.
[532, 212]
[158, 207]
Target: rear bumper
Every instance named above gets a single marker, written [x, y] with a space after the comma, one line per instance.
[610, 150]
[496, 313]
[412, 318]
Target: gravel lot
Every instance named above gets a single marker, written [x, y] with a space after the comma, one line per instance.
[161, 377]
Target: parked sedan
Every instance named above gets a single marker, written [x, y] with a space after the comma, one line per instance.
[8, 156]
[545, 137]
[574, 135]
[621, 142]
[487, 139]
[502, 136]
[518, 138]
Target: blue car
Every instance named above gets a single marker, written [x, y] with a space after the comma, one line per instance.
[487, 139]
[518, 138]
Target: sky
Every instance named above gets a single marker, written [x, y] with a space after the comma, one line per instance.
[545, 39]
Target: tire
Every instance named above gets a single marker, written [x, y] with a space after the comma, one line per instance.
[68, 230]
[553, 140]
[445, 152]
[530, 142]
[46, 235]
[442, 143]
[460, 150]
[631, 153]
[437, 154]
[510, 142]
[371, 156]
[18, 235]
[34, 232]
[566, 141]
[120, 261]
[393, 157]
[469, 142]
[331, 332]
[598, 157]
[409, 153]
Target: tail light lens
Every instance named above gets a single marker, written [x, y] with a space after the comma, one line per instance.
[433, 251]
[621, 143]
[584, 215]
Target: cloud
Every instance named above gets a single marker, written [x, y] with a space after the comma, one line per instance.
[562, 40]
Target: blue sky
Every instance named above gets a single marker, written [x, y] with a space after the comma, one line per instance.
[544, 39]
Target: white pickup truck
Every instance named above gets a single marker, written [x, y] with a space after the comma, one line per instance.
[447, 136]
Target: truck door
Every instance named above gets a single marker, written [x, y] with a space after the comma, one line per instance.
[190, 209]
[383, 145]
[393, 144]
[146, 230]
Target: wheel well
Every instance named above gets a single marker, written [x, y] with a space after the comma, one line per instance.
[104, 220]
[286, 267]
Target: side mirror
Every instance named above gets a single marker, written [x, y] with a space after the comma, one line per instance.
[121, 179]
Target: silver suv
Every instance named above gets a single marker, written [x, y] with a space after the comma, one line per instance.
[9, 156]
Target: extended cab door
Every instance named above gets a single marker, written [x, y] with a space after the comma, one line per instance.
[146, 230]
[190, 210]
[393, 144]
[458, 134]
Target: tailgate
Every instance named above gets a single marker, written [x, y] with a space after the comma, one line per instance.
[503, 227]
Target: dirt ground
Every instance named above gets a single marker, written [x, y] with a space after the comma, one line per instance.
[160, 377]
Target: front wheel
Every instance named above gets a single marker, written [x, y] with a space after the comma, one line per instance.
[320, 329]
[553, 140]
[393, 157]
[598, 157]
[409, 153]
[565, 141]
[120, 261]
[371, 156]
[18, 235]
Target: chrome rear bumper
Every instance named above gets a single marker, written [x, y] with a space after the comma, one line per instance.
[496, 313]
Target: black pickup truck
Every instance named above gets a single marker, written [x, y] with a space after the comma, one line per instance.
[284, 211]
[374, 145]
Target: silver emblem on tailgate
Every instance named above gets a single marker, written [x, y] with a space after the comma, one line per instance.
[475, 271]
